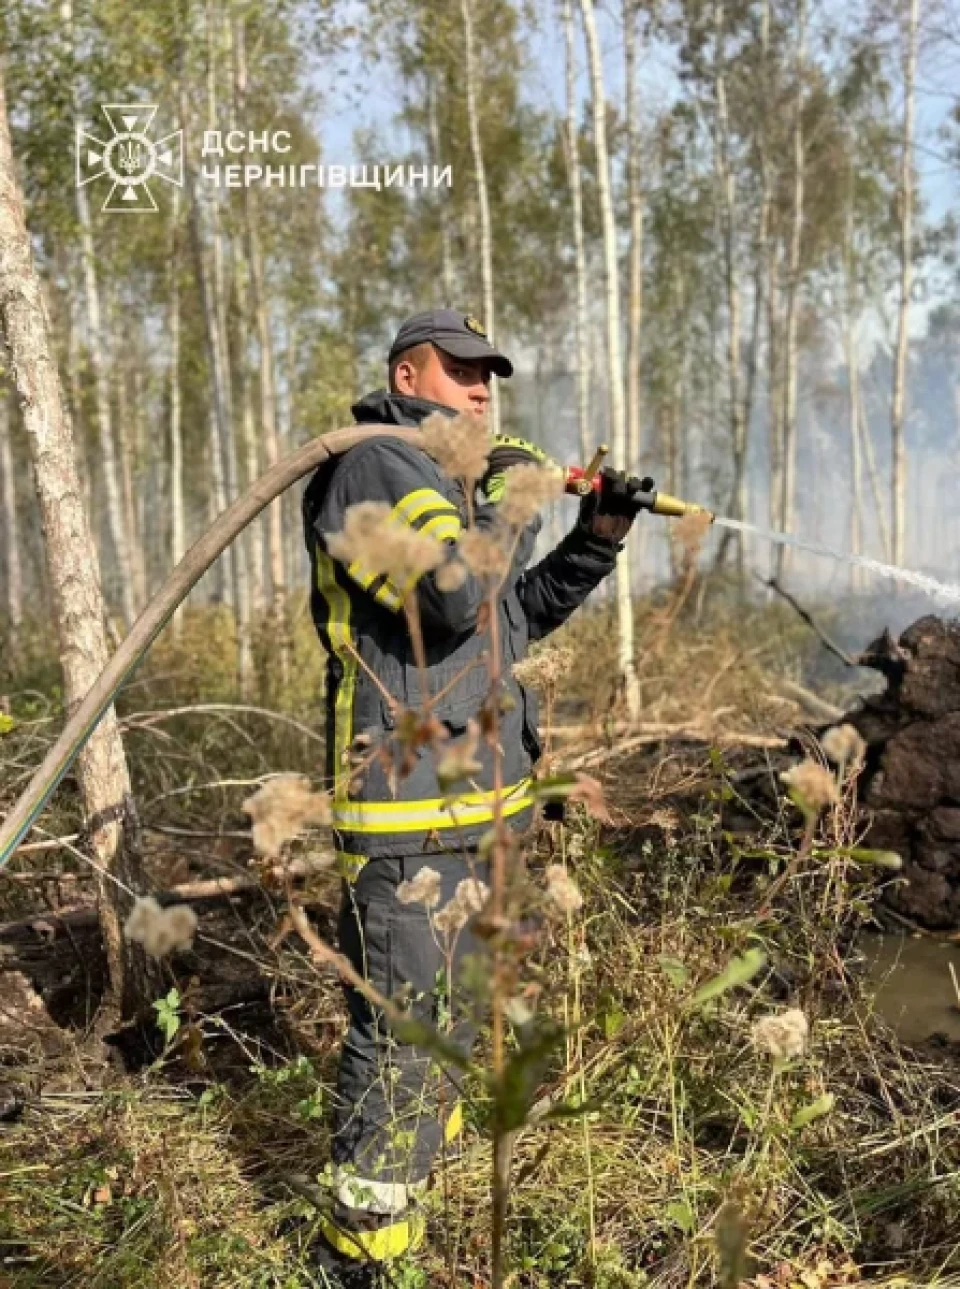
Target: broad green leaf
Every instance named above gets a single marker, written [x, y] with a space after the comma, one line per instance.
[737, 972]
[815, 1110]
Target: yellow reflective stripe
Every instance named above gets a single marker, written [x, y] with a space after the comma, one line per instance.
[426, 815]
[389, 596]
[338, 630]
[418, 502]
[378, 1245]
[349, 865]
[454, 1125]
[446, 528]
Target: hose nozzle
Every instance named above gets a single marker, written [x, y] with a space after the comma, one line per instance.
[664, 504]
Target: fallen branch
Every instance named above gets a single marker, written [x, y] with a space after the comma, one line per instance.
[677, 734]
[808, 618]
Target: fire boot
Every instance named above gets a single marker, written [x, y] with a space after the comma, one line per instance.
[341, 1272]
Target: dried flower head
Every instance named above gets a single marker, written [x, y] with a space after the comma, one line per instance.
[526, 490]
[377, 542]
[451, 575]
[784, 1036]
[460, 445]
[690, 530]
[843, 744]
[562, 891]
[423, 889]
[546, 668]
[282, 808]
[160, 931]
[483, 554]
[812, 784]
[472, 893]
[451, 918]
[460, 762]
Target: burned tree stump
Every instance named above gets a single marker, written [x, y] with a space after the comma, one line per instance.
[911, 782]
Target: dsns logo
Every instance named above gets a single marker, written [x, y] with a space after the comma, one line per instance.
[129, 158]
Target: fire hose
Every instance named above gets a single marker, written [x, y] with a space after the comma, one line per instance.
[83, 720]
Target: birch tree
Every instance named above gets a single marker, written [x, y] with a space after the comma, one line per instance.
[12, 571]
[472, 74]
[898, 460]
[627, 666]
[635, 201]
[571, 140]
[178, 543]
[75, 586]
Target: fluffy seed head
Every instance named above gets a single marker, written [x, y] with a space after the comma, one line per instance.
[451, 575]
[472, 894]
[460, 762]
[483, 554]
[460, 446]
[423, 889]
[282, 808]
[842, 744]
[526, 490]
[562, 891]
[546, 668]
[160, 931]
[784, 1036]
[813, 784]
[379, 543]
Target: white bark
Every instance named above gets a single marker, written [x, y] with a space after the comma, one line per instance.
[635, 200]
[177, 523]
[472, 76]
[13, 570]
[898, 479]
[73, 571]
[575, 179]
[626, 660]
[790, 353]
[268, 384]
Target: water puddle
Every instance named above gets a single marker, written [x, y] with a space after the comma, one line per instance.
[913, 988]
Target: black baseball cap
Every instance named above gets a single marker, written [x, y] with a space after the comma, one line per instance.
[459, 334]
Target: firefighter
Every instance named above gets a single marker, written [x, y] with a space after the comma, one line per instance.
[392, 1111]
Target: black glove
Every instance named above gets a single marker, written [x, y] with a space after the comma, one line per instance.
[619, 494]
[508, 451]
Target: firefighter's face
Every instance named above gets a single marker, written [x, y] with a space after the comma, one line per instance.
[460, 383]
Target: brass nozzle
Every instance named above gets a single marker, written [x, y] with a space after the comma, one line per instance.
[596, 461]
[667, 505]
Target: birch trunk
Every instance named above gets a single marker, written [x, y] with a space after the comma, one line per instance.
[635, 201]
[728, 220]
[575, 179]
[268, 384]
[446, 249]
[133, 535]
[177, 525]
[13, 570]
[74, 582]
[96, 347]
[790, 355]
[873, 475]
[472, 74]
[898, 480]
[626, 659]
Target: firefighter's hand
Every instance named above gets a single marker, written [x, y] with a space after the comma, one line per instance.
[610, 511]
[507, 452]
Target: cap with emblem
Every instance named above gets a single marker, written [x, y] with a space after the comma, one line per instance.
[457, 334]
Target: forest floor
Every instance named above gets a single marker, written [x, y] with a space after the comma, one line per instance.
[189, 1161]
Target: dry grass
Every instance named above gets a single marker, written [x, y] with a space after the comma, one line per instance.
[173, 1177]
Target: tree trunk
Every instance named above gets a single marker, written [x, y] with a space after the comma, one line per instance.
[572, 153]
[472, 75]
[13, 571]
[626, 660]
[898, 455]
[728, 221]
[77, 597]
[178, 538]
[790, 354]
[268, 384]
[446, 247]
[635, 201]
[128, 492]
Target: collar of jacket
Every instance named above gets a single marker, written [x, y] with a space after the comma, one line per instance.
[383, 408]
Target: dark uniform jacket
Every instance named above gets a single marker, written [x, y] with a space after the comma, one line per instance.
[376, 813]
